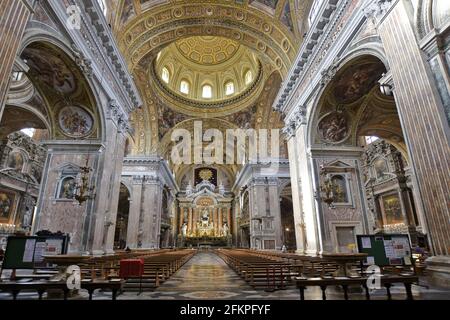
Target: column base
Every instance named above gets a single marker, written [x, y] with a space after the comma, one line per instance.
[438, 271]
[311, 252]
[98, 252]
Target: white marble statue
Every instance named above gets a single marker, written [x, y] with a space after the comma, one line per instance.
[205, 218]
[221, 189]
[225, 230]
[189, 189]
[184, 229]
[26, 222]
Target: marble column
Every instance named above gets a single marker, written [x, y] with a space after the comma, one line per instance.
[14, 16]
[151, 212]
[305, 214]
[190, 221]
[236, 235]
[230, 222]
[135, 212]
[216, 220]
[220, 220]
[102, 223]
[423, 120]
[180, 219]
[274, 207]
[195, 220]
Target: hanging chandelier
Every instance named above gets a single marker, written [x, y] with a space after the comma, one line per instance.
[326, 189]
[84, 192]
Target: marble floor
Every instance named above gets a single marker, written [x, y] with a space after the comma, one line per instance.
[206, 276]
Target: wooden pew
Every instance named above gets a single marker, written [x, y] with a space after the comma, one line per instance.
[158, 268]
[259, 271]
[386, 281]
[42, 286]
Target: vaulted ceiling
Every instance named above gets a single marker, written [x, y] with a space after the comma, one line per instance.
[206, 42]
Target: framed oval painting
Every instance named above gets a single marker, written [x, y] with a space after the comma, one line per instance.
[334, 128]
[75, 121]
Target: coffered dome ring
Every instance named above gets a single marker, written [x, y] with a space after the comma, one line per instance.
[212, 108]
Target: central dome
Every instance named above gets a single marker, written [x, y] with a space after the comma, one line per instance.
[207, 50]
[207, 69]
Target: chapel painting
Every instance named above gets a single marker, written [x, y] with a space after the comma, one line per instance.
[334, 127]
[51, 70]
[6, 205]
[67, 188]
[380, 168]
[356, 82]
[392, 210]
[15, 161]
[75, 121]
[339, 189]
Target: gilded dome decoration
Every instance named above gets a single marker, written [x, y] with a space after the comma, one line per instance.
[206, 72]
[207, 50]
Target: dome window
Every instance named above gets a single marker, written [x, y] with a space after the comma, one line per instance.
[248, 77]
[207, 91]
[229, 88]
[165, 75]
[184, 87]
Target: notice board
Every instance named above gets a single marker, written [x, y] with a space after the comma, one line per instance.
[386, 250]
[27, 252]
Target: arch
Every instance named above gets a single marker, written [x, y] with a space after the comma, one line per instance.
[313, 113]
[11, 122]
[123, 210]
[36, 34]
[374, 49]
[145, 34]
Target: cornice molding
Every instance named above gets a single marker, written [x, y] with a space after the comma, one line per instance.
[297, 119]
[157, 167]
[99, 27]
[116, 114]
[102, 31]
[317, 33]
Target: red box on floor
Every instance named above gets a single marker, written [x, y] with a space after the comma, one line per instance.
[130, 268]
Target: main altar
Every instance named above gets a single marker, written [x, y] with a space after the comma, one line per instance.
[205, 216]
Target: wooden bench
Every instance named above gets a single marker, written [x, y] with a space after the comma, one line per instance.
[39, 286]
[385, 281]
[270, 273]
[158, 268]
[42, 286]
